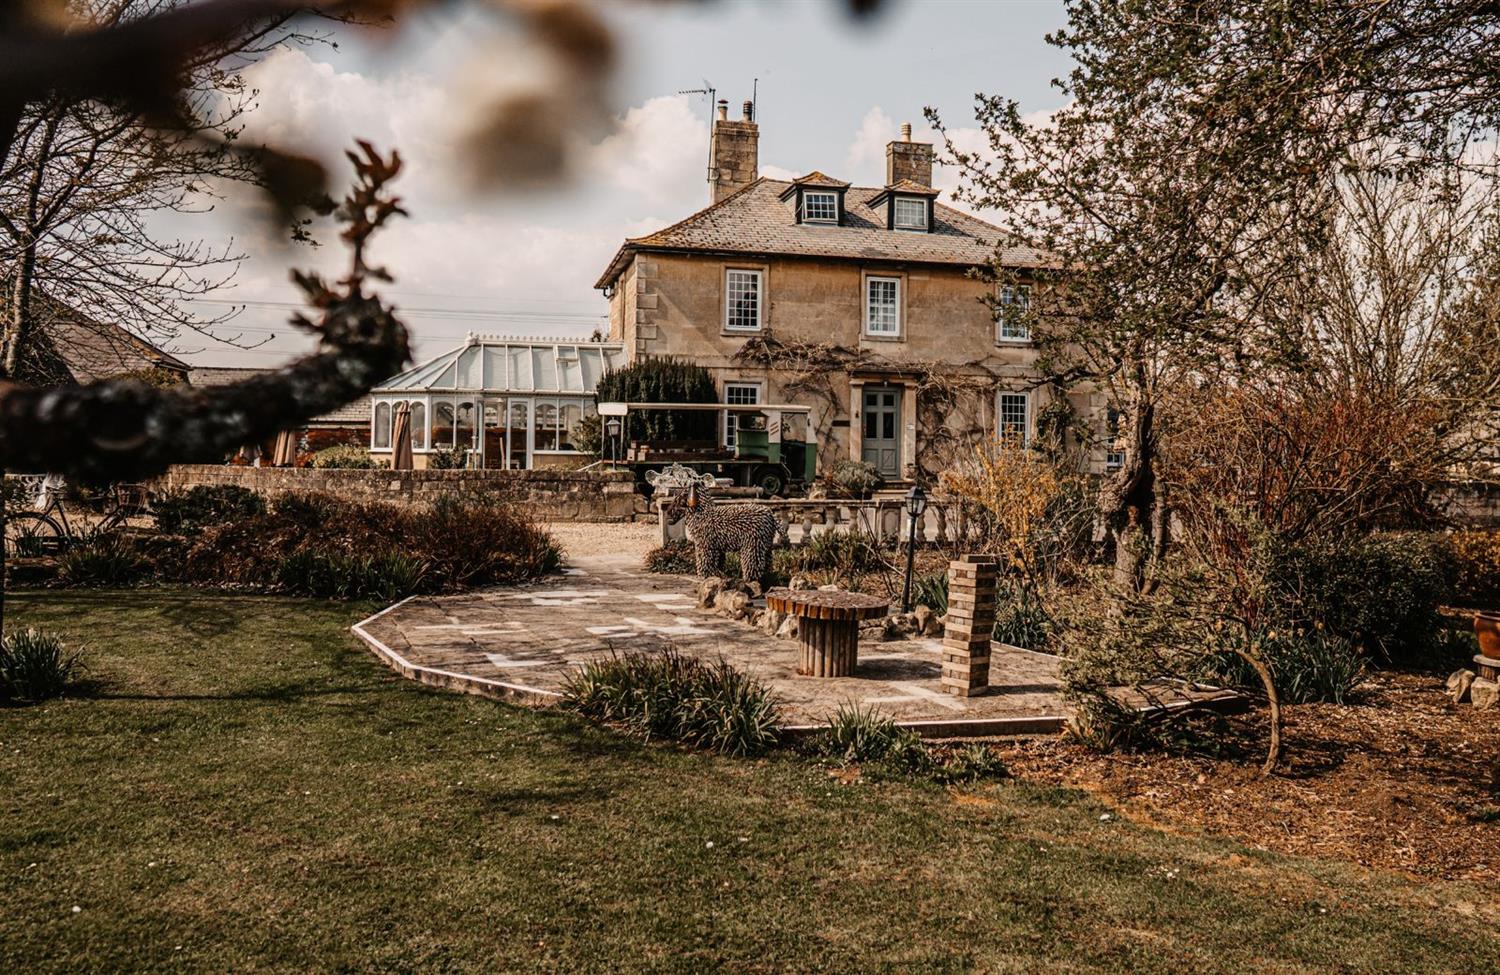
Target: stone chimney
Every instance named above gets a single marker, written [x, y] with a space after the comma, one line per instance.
[733, 152]
[908, 160]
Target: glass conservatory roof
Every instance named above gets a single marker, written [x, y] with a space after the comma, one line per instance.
[501, 364]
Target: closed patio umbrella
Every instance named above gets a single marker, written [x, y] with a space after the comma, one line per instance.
[401, 439]
[285, 454]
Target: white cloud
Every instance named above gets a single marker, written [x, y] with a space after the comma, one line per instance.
[503, 254]
[656, 150]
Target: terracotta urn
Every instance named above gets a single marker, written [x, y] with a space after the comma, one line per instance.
[1487, 629]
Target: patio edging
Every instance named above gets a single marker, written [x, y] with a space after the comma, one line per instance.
[447, 679]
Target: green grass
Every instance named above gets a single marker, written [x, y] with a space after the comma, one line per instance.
[243, 788]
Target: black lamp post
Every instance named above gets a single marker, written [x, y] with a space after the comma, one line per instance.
[916, 503]
[612, 428]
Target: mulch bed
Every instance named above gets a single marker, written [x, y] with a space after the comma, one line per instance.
[1401, 780]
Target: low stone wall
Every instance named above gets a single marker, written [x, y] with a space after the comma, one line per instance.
[551, 495]
[883, 517]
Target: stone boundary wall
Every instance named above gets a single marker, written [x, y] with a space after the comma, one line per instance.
[885, 518]
[1474, 505]
[550, 495]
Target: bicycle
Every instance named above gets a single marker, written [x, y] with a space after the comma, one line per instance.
[46, 529]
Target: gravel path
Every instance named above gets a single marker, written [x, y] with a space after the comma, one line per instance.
[588, 538]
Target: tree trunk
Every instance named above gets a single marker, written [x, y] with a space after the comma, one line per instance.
[1128, 503]
[18, 319]
[1273, 701]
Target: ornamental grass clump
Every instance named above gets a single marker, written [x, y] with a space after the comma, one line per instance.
[669, 695]
[863, 736]
[337, 575]
[35, 666]
[1307, 666]
[104, 560]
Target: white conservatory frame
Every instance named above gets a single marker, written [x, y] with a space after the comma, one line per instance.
[484, 387]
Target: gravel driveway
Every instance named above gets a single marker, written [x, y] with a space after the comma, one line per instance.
[589, 538]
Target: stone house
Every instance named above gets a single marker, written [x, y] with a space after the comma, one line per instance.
[862, 302]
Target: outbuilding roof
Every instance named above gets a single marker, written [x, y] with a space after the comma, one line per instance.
[354, 413]
[755, 220]
[499, 363]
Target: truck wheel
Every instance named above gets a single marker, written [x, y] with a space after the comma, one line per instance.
[770, 480]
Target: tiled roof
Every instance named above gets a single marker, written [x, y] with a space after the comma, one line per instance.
[756, 221]
[906, 186]
[816, 178]
[349, 414]
[72, 346]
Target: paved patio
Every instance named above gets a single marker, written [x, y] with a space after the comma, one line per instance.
[521, 643]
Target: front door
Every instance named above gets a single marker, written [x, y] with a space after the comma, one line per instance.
[881, 443]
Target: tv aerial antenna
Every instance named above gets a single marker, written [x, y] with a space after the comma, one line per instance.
[707, 89]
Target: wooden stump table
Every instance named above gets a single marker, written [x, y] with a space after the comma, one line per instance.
[827, 626]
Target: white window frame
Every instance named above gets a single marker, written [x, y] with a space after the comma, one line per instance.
[1000, 414]
[759, 278]
[921, 208]
[731, 422]
[381, 425]
[1007, 330]
[1114, 455]
[833, 203]
[870, 282]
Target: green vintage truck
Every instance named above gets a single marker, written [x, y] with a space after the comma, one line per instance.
[770, 447]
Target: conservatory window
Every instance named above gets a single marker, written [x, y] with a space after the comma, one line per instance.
[418, 425]
[464, 428]
[546, 425]
[382, 426]
[442, 425]
[571, 414]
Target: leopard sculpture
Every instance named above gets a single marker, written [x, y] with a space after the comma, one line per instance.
[750, 530]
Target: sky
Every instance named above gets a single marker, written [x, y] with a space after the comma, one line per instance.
[831, 93]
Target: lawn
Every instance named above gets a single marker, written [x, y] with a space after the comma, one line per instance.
[243, 788]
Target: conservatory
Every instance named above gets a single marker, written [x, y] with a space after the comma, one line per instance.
[495, 402]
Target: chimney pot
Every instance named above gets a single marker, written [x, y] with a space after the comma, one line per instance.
[905, 131]
[749, 110]
[724, 109]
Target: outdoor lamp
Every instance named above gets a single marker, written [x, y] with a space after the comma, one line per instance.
[916, 503]
[612, 427]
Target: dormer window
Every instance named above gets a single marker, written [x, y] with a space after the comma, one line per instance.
[911, 213]
[819, 206]
[907, 206]
[817, 198]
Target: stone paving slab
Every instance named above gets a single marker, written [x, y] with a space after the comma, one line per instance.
[521, 643]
